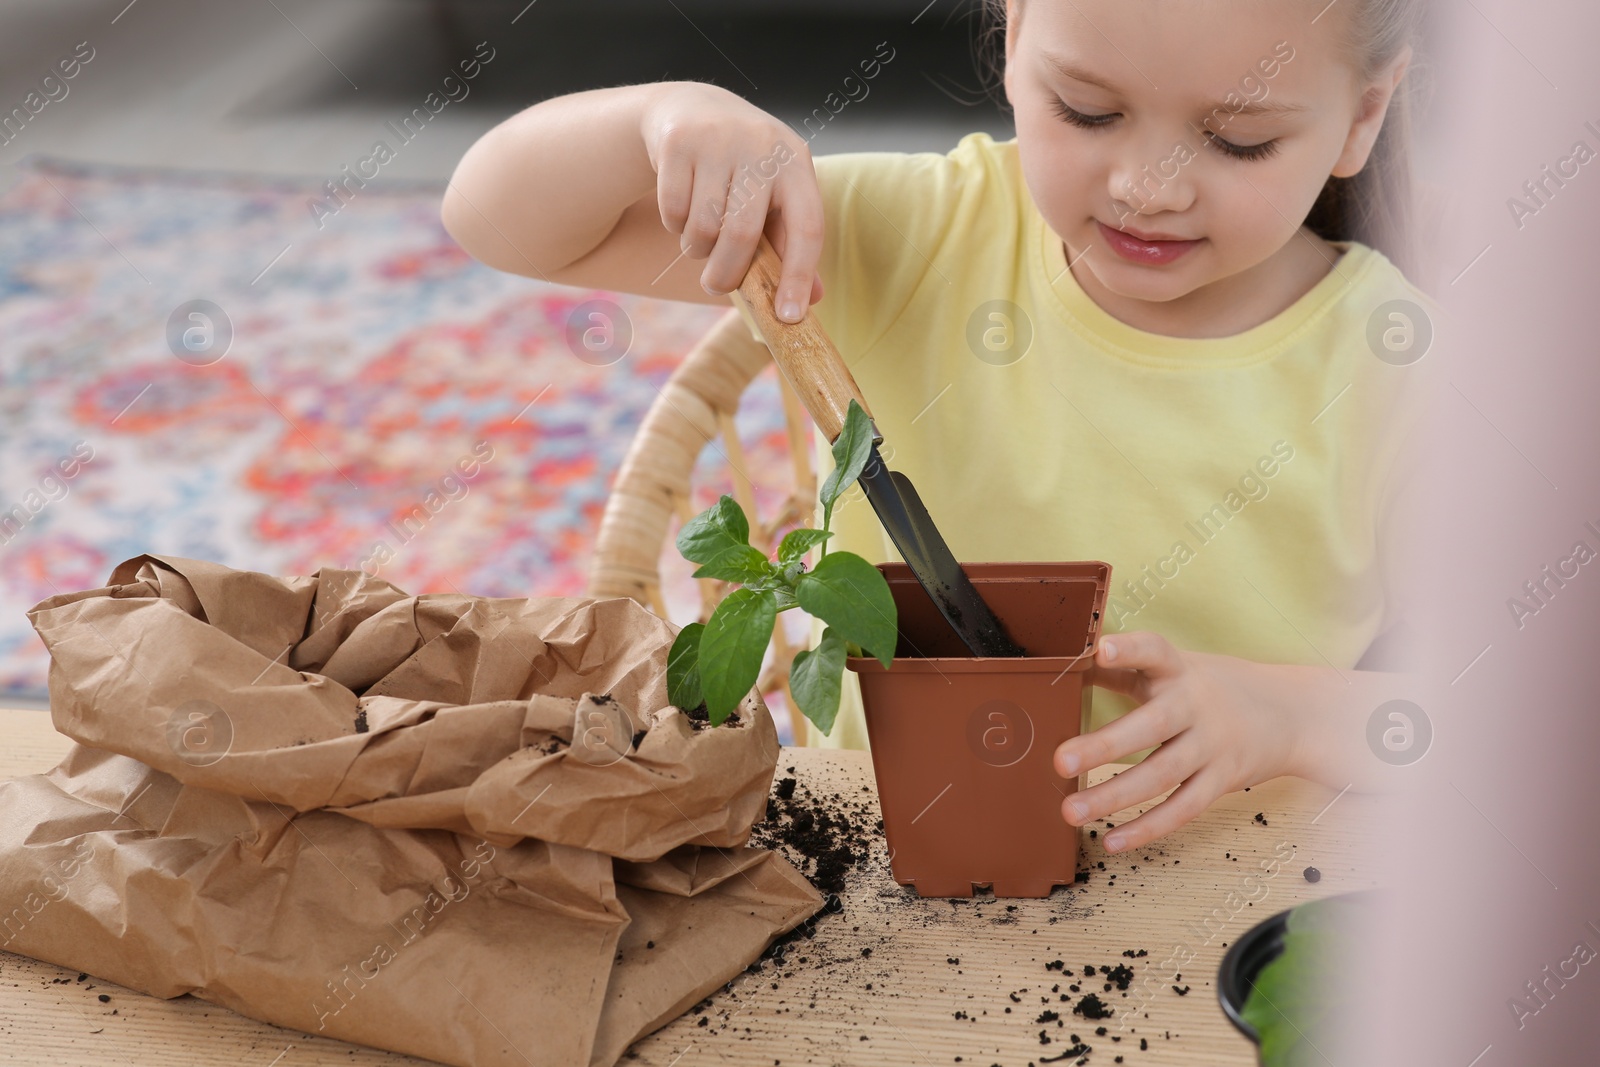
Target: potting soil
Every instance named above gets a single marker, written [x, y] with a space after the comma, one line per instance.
[836, 839]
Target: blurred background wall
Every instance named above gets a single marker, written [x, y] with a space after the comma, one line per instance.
[296, 86]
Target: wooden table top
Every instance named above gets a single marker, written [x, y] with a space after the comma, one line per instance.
[890, 979]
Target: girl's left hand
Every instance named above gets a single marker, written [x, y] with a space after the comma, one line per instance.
[1221, 723]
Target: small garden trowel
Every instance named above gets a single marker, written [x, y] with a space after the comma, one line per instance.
[818, 375]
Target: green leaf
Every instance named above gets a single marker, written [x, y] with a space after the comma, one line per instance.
[714, 531]
[850, 451]
[815, 677]
[731, 649]
[851, 596]
[1296, 1001]
[683, 668]
[741, 563]
[797, 543]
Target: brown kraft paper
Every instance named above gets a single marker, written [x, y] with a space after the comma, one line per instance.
[462, 828]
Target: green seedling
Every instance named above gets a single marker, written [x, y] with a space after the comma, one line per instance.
[717, 662]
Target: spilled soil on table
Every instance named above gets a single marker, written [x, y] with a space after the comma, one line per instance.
[825, 837]
[835, 838]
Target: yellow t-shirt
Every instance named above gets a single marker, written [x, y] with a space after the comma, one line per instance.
[1236, 485]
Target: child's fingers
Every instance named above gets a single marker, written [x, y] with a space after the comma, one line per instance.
[706, 210]
[675, 191]
[1144, 727]
[775, 232]
[1157, 773]
[801, 203]
[742, 227]
[1128, 683]
[1189, 800]
[1140, 650]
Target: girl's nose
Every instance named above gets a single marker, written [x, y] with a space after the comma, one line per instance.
[1147, 183]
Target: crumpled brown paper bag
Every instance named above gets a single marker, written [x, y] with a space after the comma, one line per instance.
[462, 828]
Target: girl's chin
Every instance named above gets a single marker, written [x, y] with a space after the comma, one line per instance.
[1156, 285]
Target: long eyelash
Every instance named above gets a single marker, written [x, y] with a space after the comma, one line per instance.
[1249, 153]
[1079, 119]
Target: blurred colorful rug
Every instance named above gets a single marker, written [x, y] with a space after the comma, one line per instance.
[192, 365]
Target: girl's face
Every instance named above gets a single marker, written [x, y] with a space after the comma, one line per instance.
[1172, 145]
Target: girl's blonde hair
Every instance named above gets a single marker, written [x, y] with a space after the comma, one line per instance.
[1377, 206]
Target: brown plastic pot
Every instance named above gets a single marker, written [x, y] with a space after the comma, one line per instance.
[963, 747]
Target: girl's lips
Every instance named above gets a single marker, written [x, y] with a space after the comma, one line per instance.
[1139, 250]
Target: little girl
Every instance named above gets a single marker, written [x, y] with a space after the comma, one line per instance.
[1141, 331]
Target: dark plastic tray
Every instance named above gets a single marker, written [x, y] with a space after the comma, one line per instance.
[1260, 945]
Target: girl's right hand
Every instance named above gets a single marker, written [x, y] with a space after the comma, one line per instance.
[727, 172]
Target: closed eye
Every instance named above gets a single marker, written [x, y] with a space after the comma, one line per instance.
[1079, 119]
[1247, 153]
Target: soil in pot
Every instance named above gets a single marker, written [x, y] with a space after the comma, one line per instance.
[962, 746]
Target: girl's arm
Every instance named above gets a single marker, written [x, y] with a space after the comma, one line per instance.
[630, 188]
[1221, 723]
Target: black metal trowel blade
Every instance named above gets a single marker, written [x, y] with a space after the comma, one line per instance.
[923, 548]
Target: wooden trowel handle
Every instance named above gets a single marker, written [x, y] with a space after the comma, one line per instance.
[803, 352]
